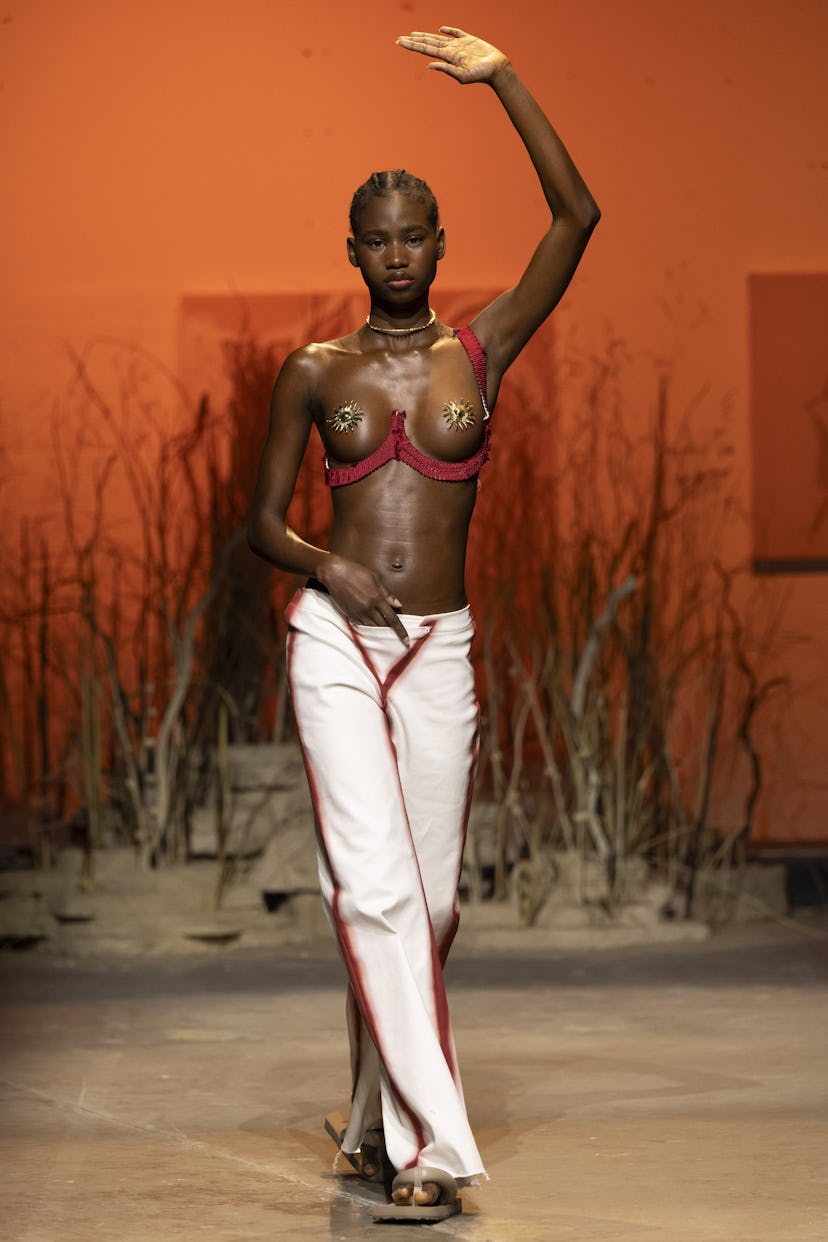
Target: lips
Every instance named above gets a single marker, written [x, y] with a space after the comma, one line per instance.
[400, 282]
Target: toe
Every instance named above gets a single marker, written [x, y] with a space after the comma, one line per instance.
[426, 1194]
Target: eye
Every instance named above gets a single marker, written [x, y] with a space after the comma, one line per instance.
[417, 240]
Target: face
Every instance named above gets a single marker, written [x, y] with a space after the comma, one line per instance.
[396, 248]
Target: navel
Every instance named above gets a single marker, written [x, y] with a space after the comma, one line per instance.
[397, 565]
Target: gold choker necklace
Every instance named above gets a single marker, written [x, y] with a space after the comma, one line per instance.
[402, 331]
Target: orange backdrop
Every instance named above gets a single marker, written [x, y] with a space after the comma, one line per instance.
[155, 148]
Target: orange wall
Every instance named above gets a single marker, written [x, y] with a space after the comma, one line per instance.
[155, 147]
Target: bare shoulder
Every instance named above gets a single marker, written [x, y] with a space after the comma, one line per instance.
[310, 362]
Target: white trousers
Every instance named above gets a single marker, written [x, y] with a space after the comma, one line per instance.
[389, 736]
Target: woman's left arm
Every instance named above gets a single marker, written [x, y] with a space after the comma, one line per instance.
[505, 326]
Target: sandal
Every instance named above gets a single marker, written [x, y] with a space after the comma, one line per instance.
[376, 1166]
[448, 1203]
[371, 1161]
[335, 1124]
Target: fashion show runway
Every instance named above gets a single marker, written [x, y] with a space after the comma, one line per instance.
[677, 1092]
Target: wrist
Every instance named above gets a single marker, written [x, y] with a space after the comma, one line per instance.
[503, 74]
[322, 568]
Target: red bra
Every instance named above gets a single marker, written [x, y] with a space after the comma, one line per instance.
[397, 447]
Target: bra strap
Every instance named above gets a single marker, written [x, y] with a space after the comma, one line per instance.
[477, 357]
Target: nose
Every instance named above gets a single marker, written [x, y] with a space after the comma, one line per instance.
[396, 256]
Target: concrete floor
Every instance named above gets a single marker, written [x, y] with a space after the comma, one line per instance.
[677, 1092]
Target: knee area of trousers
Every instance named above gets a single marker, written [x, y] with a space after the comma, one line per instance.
[382, 912]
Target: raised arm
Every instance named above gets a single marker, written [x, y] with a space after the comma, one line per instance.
[506, 325]
[354, 588]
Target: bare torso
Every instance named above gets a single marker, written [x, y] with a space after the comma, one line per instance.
[408, 529]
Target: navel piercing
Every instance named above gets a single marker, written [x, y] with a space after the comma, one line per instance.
[459, 415]
[345, 417]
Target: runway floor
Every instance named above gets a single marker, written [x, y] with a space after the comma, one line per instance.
[677, 1092]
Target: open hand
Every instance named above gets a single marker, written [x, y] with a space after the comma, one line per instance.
[462, 56]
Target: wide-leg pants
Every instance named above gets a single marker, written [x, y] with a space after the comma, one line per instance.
[389, 737]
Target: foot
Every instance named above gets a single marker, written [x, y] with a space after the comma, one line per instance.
[374, 1156]
[423, 1188]
[420, 1196]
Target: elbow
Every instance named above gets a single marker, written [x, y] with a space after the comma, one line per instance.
[255, 539]
[265, 537]
[583, 211]
[589, 214]
[579, 220]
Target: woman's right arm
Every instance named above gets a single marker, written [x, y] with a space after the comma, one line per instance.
[290, 423]
[354, 588]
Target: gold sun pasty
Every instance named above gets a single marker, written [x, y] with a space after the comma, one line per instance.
[345, 417]
[459, 415]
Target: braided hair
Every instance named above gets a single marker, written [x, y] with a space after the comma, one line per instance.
[394, 181]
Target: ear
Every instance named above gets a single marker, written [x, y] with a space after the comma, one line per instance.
[352, 256]
[441, 242]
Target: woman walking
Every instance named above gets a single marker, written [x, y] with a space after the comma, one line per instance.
[379, 637]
